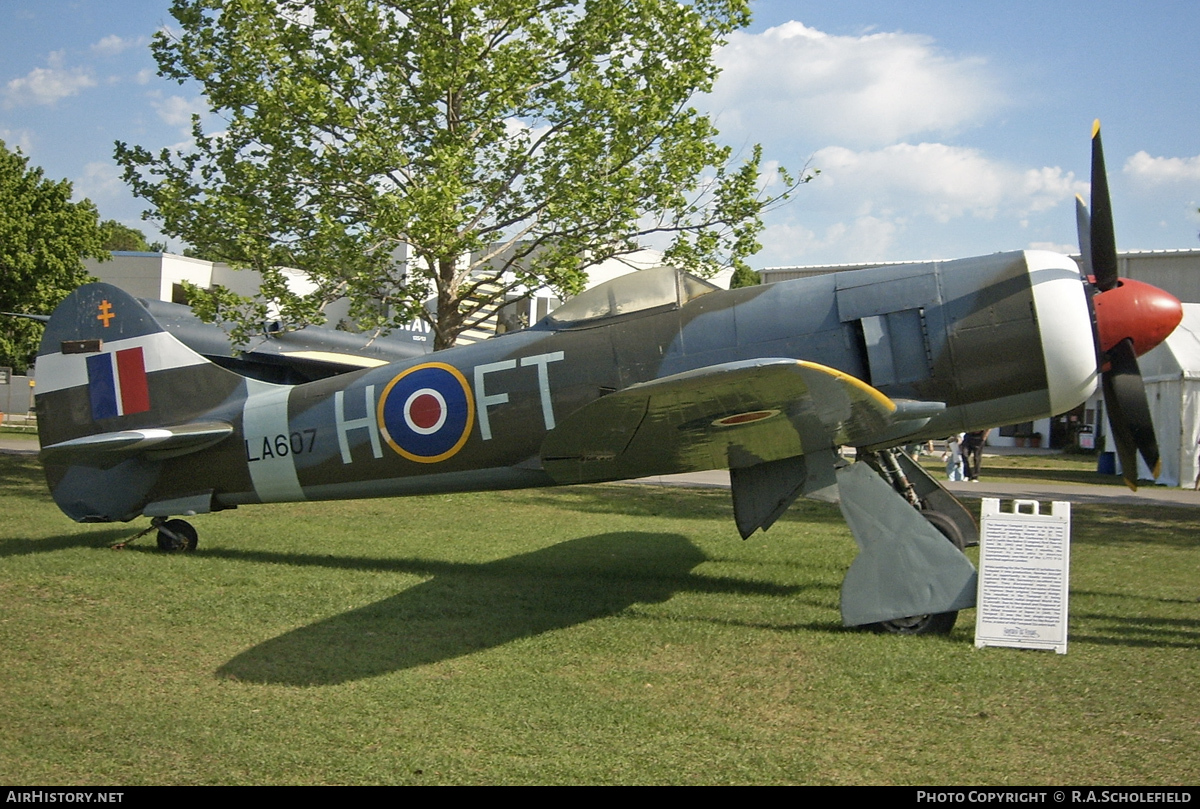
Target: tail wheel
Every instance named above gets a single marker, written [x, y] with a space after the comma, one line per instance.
[177, 536]
[939, 623]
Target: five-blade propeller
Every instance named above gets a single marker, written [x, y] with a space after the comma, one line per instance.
[1131, 318]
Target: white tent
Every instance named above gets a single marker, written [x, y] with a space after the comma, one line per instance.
[1172, 376]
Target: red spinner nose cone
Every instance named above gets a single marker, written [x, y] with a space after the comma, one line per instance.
[1136, 310]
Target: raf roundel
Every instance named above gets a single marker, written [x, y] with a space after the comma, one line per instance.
[426, 413]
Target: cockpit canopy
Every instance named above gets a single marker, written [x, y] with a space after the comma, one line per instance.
[660, 287]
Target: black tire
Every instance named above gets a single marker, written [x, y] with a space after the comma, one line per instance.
[185, 538]
[946, 526]
[939, 623]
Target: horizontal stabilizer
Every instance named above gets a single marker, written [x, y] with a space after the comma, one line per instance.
[151, 443]
[27, 316]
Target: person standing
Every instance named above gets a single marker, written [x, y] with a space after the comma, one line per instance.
[972, 447]
[954, 457]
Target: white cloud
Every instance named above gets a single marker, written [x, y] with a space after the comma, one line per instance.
[1149, 170]
[46, 85]
[17, 139]
[178, 111]
[856, 240]
[926, 200]
[113, 45]
[938, 181]
[874, 89]
[99, 181]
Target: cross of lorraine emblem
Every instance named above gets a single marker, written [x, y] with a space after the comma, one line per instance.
[106, 313]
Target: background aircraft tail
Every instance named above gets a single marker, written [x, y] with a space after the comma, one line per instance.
[117, 396]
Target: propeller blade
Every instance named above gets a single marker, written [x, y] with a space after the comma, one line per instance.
[1129, 412]
[1103, 239]
[1124, 312]
[1083, 226]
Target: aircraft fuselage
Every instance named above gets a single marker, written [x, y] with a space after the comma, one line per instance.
[971, 334]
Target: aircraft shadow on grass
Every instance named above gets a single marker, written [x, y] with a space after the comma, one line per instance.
[21, 477]
[1134, 627]
[467, 608]
[665, 501]
[1151, 633]
[21, 546]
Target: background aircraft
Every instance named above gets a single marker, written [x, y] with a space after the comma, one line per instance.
[280, 355]
[287, 356]
[653, 373]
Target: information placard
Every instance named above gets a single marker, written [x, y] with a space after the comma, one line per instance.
[1024, 572]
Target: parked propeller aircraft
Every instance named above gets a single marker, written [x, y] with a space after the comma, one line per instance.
[656, 372]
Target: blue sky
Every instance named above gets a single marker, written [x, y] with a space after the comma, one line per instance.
[941, 129]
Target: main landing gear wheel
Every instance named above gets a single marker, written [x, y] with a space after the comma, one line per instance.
[177, 536]
[939, 623]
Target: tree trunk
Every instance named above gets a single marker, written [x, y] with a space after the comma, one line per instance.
[449, 317]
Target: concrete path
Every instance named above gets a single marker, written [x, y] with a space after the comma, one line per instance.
[1075, 493]
[1078, 493]
[14, 444]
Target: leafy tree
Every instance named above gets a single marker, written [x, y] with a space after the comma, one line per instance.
[43, 239]
[743, 276]
[119, 237]
[456, 149]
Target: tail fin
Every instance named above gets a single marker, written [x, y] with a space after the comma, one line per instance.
[115, 394]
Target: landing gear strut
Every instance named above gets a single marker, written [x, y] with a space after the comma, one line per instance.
[922, 492]
[174, 536]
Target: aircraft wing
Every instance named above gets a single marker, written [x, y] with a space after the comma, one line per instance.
[733, 415]
[154, 443]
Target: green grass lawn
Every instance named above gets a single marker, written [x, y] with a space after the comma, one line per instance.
[1079, 469]
[608, 634]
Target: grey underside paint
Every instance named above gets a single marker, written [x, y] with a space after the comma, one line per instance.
[905, 567]
[762, 492]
